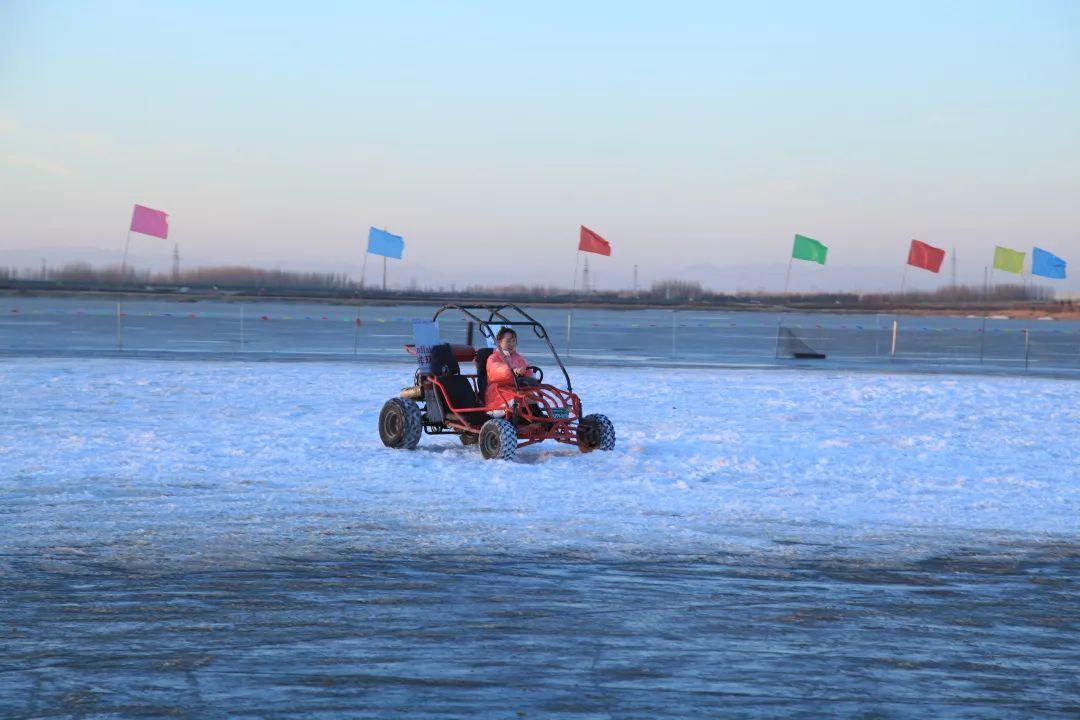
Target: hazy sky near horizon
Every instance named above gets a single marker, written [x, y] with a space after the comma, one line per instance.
[691, 135]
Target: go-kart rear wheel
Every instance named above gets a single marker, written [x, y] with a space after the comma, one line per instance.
[400, 424]
[498, 440]
[595, 432]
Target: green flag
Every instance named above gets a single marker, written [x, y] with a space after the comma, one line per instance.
[809, 249]
[1008, 260]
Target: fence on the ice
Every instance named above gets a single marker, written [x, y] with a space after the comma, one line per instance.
[43, 326]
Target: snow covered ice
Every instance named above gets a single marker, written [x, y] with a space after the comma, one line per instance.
[284, 457]
[739, 535]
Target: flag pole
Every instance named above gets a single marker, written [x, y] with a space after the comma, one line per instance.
[356, 331]
[903, 278]
[779, 325]
[1027, 341]
[780, 315]
[573, 301]
[356, 322]
[673, 349]
[123, 272]
[384, 273]
[573, 283]
[982, 339]
[123, 263]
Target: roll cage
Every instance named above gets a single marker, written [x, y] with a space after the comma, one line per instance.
[505, 315]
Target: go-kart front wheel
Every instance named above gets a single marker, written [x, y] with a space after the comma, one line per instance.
[400, 425]
[595, 432]
[498, 440]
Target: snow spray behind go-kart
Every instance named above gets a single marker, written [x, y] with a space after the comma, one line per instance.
[442, 400]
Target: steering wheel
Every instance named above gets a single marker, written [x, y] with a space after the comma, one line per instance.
[538, 374]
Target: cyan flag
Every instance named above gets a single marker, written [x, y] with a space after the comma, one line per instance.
[1047, 264]
[380, 242]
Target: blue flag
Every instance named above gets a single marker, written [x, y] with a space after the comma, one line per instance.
[1047, 264]
[380, 242]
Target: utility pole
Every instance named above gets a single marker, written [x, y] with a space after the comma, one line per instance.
[954, 268]
[585, 276]
[635, 281]
[176, 263]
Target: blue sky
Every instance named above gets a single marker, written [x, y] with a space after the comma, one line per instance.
[696, 137]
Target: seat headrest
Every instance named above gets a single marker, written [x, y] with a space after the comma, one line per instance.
[482, 355]
[443, 361]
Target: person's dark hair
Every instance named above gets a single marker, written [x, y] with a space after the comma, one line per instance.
[504, 332]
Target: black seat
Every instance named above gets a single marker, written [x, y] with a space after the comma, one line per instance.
[459, 391]
[482, 356]
[443, 361]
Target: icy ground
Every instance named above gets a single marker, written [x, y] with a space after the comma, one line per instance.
[208, 539]
[161, 462]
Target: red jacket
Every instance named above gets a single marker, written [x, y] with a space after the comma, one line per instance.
[501, 376]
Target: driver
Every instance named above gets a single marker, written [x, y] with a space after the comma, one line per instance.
[502, 366]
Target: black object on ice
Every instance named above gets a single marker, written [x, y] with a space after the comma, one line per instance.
[789, 345]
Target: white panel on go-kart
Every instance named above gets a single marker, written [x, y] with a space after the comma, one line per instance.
[425, 336]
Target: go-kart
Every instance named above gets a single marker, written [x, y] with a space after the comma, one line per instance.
[443, 400]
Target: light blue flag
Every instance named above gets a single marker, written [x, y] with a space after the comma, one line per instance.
[1047, 264]
[380, 242]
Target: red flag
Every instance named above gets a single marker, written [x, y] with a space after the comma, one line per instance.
[150, 222]
[591, 242]
[925, 256]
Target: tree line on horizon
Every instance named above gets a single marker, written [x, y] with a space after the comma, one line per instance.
[82, 275]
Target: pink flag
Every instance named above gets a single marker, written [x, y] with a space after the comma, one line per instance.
[150, 222]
